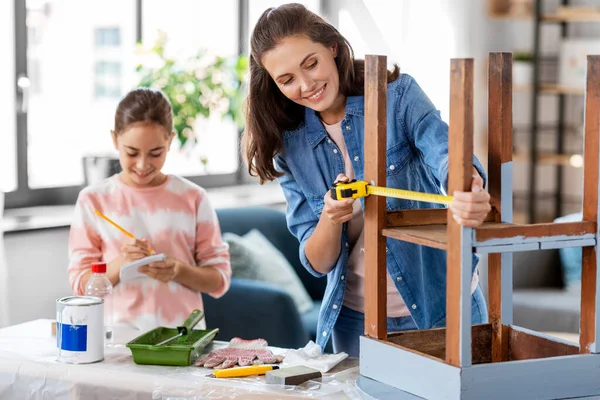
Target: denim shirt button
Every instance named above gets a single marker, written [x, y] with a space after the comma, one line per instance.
[335, 151]
[342, 277]
[387, 250]
[335, 306]
[392, 167]
[324, 333]
[347, 244]
[399, 278]
[356, 158]
[414, 306]
[329, 141]
[347, 127]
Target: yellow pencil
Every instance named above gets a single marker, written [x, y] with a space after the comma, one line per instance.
[243, 371]
[119, 227]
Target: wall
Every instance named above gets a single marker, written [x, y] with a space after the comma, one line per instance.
[37, 275]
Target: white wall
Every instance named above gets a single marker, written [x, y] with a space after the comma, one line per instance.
[38, 274]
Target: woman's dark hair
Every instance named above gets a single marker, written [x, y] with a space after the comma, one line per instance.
[144, 105]
[268, 112]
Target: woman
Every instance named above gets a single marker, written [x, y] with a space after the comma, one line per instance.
[305, 127]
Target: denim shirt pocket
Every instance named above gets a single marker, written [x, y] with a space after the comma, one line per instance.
[399, 175]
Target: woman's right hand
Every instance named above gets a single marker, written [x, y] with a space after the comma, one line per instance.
[134, 249]
[338, 211]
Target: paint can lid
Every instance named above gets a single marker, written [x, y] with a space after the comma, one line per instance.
[80, 300]
[99, 267]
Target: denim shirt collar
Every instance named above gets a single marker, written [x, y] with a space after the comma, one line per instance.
[315, 131]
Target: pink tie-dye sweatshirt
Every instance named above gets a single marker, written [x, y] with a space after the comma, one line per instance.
[176, 218]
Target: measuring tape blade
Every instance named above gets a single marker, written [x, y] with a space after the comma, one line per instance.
[409, 195]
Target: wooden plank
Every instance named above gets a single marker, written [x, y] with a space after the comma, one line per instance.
[375, 167]
[492, 233]
[561, 244]
[545, 378]
[460, 176]
[433, 342]
[506, 248]
[410, 372]
[427, 235]
[495, 305]
[507, 258]
[424, 216]
[499, 122]
[525, 344]
[436, 236]
[517, 240]
[499, 152]
[589, 330]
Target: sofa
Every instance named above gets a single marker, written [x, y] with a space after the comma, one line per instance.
[540, 299]
[253, 309]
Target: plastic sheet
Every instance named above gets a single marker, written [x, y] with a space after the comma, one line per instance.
[29, 370]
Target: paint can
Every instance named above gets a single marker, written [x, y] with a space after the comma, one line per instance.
[80, 329]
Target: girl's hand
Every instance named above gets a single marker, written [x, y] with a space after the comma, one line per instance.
[163, 271]
[470, 208]
[338, 211]
[134, 249]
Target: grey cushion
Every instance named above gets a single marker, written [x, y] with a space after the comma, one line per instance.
[254, 257]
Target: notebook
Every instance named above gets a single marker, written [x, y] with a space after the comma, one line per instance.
[129, 271]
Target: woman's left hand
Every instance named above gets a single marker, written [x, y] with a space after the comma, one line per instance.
[163, 271]
[470, 208]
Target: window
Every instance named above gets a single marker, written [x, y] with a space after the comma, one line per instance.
[108, 63]
[8, 166]
[190, 26]
[80, 65]
[77, 59]
[108, 79]
[108, 37]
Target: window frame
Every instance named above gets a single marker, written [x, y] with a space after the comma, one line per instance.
[24, 196]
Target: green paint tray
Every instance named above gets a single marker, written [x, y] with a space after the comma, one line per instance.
[184, 348]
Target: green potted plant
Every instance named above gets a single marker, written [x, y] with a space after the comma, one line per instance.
[522, 68]
[197, 86]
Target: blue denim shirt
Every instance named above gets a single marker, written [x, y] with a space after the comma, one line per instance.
[417, 159]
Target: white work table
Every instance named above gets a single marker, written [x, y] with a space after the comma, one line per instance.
[29, 370]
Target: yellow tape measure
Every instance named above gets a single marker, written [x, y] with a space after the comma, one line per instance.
[356, 189]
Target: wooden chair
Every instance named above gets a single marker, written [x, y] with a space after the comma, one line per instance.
[496, 359]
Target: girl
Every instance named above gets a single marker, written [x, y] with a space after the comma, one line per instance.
[173, 214]
[305, 126]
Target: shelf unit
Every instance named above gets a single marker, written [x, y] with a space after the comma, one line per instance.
[564, 15]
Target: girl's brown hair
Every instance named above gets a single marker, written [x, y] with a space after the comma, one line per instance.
[145, 106]
[268, 112]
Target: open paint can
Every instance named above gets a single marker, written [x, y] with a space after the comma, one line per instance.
[80, 329]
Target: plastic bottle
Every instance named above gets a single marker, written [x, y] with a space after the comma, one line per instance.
[99, 285]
